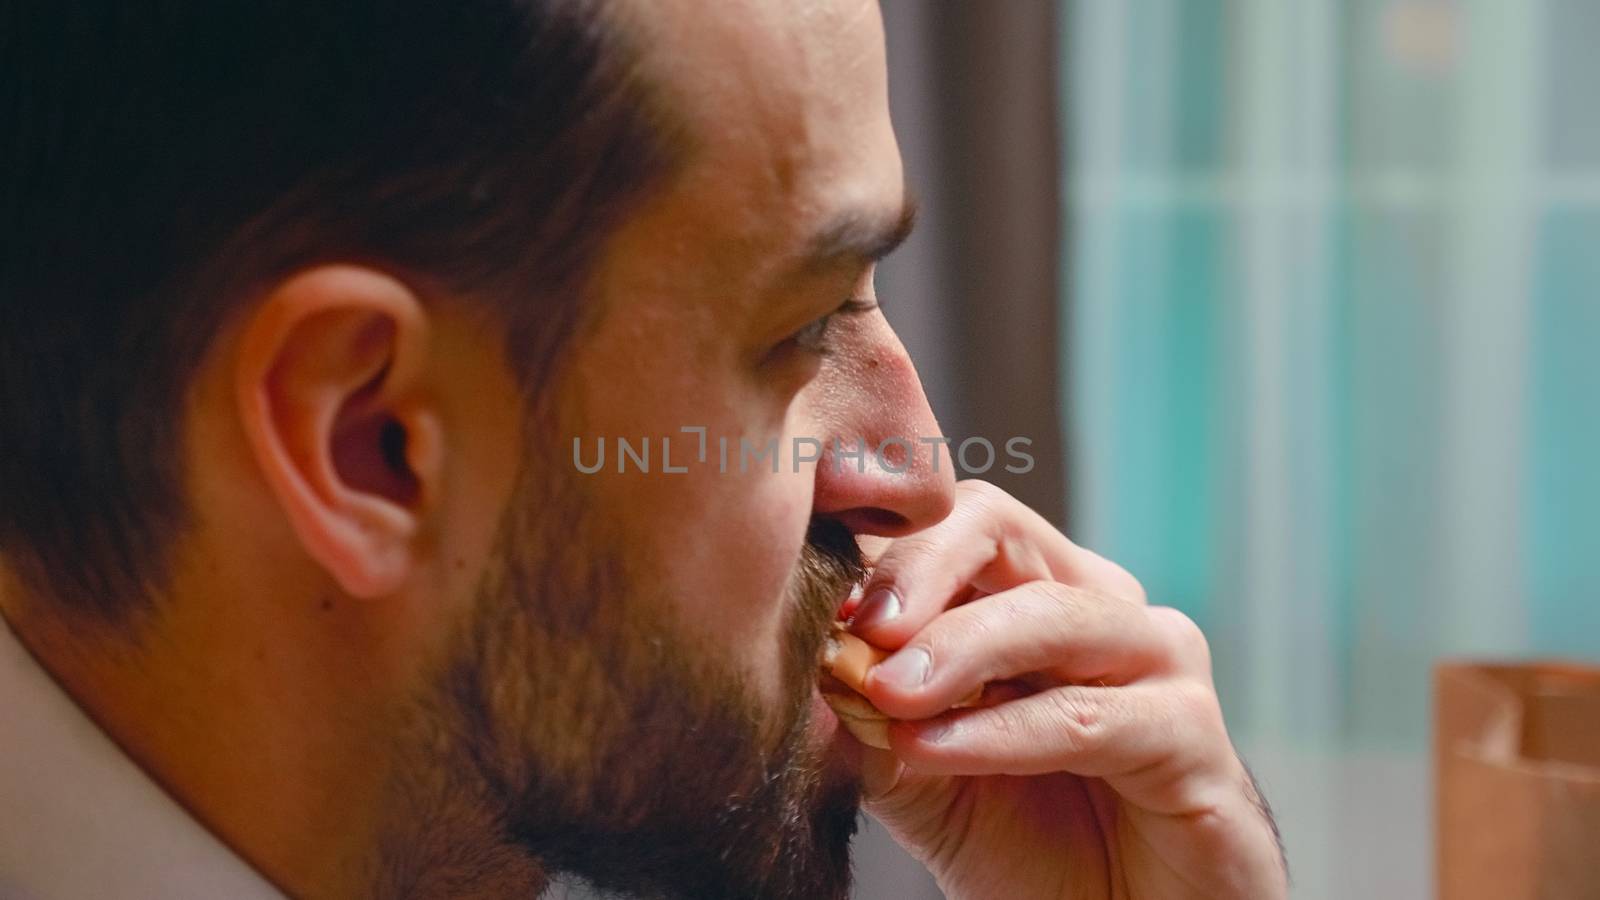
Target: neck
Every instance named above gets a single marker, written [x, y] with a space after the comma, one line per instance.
[442, 841]
[227, 722]
[309, 775]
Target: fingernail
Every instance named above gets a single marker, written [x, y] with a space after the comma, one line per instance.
[904, 670]
[880, 607]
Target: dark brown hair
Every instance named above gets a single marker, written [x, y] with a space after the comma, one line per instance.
[163, 159]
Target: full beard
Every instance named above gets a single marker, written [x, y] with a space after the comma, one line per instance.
[577, 732]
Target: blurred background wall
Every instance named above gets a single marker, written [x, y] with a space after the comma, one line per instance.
[1301, 303]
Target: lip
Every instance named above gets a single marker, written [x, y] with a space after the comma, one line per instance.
[847, 606]
[824, 679]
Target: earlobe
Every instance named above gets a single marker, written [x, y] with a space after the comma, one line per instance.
[331, 396]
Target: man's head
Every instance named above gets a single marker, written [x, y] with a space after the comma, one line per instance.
[314, 321]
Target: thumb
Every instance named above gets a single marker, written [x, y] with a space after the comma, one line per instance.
[914, 809]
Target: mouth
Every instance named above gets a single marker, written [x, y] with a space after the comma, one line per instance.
[840, 679]
[828, 585]
[843, 609]
[829, 725]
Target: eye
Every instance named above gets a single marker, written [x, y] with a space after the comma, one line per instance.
[813, 338]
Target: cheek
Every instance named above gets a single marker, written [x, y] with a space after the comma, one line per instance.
[718, 549]
[752, 542]
[725, 546]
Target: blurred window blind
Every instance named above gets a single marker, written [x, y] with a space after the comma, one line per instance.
[1334, 295]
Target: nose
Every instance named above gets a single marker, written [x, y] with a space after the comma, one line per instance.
[884, 470]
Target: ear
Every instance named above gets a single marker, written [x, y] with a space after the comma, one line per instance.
[330, 389]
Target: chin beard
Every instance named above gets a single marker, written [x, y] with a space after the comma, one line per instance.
[789, 837]
[576, 723]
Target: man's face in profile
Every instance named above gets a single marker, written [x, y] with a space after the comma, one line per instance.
[633, 691]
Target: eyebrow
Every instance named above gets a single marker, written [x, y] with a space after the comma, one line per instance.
[860, 238]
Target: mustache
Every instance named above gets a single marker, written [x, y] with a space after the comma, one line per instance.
[830, 565]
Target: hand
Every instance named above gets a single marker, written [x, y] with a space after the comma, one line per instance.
[1098, 764]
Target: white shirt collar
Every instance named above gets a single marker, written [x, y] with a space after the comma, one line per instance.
[79, 819]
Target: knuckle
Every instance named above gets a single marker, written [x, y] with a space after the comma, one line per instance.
[962, 627]
[1135, 591]
[1183, 635]
[1007, 606]
[1072, 721]
[977, 487]
[1010, 606]
[1196, 702]
[979, 498]
[1198, 725]
[1063, 601]
[909, 553]
[916, 550]
[1049, 610]
[1067, 608]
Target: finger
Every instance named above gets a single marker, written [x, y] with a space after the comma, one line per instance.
[990, 543]
[872, 547]
[1155, 743]
[932, 568]
[1063, 633]
[881, 772]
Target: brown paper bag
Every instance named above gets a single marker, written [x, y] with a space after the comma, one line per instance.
[1517, 780]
